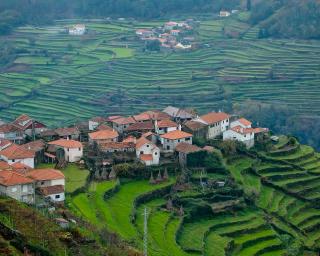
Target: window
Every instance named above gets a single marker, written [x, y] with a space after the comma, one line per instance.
[68, 150]
[25, 188]
[168, 147]
[147, 145]
[79, 149]
[141, 152]
[156, 153]
[13, 160]
[57, 196]
[42, 182]
[187, 139]
[178, 140]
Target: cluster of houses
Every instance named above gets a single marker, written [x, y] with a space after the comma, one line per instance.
[148, 136]
[77, 30]
[227, 13]
[172, 35]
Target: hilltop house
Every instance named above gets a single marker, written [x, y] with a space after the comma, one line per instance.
[73, 150]
[29, 126]
[114, 147]
[103, 136]
[197, 129]
[122, 123]
[95, 122]
[11, 132]
[171, 139]
[178, 115]
[140, 127]
[244, 123]
[77, 30]
[165, 126]
[184, 149]
[147, 152]
[217, 123]
[144, 33]
[38, 148]
[71, 133]
[224, 14]
[15, 153]
[245, 135]
[50, 183]
[17, 186]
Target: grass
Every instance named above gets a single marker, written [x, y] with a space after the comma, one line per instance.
[74, 176]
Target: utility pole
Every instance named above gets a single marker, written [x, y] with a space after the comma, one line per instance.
[145, 235]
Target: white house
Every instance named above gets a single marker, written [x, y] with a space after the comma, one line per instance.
[224, 14]
[217, 122]
[15, 153]
[165, 126]
[95, 122]
[73, 150]
[147, 152]
[103, 136]
[29, 126]
[11, 132]
[244, 123]
[238, 133]
[50, 183]
[170, 25]
[171, 139]
[122, 123]
[17, 186]
[77, 30]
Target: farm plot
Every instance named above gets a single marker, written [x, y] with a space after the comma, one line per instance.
[65, 78]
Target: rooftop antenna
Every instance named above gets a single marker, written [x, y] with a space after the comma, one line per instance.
[145, 232]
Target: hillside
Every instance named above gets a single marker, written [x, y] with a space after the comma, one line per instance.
[287, 19]
[267, 205]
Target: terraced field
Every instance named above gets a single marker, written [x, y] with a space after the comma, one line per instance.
[61, 78]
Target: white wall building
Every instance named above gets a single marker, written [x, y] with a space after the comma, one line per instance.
[165, 126]
[77, 30]
[238, 133]
[171, 139]
[217, 122]
[15, 153]
[147, 152]
[242, 122]
[73, 150]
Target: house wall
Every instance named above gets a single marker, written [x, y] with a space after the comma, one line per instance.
[147, 149]
[93, 125]
[165, 130]
[57, 197]
[73, 154]
[48, 183]
[120, 128]
[237, 123]
[170, 145]
[217, 129]
[13, 136]
[27, 161]
[22, 193]
[247, 139]
[103, 141]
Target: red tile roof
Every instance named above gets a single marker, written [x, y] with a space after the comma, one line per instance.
[23, 121]
[214, 117]
[4, 165]
[187, 148]
[99, 119]
[15, 151]
[244, 122]
[167, 123]
[141, 126]
[4, 142]
[142, 117]
[67, 131]
[116, 145]
[104, 135]
[52, 190]
[142, 141]
[124, 120]
[146, 157]
[7, 128]
[102, 127]
[130, 139]
[175, 135]
[11, 178]
[157, 115]
[242, 130]
[66, 143]
[34, 146]
[194, 125]
[45, 174]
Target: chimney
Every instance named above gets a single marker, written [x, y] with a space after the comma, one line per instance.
[29, 147]
[179, 127]
[156, 125]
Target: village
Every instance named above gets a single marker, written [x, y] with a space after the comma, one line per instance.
[151, 138]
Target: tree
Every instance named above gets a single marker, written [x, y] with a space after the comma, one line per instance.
[153, 46]
[248, 5]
